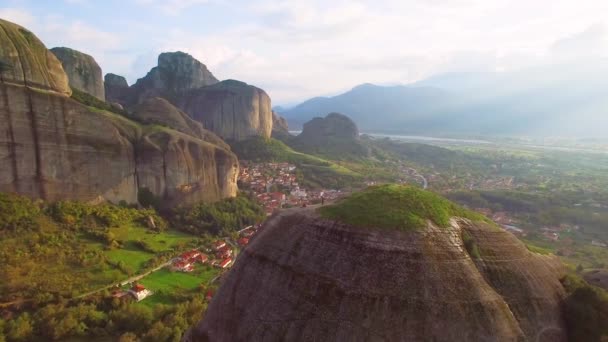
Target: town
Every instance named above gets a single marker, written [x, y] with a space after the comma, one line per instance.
[275, 185]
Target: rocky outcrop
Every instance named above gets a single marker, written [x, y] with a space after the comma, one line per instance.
[334, 125]
[27, 61]
[279, 126]
[335, 136]
[231, 109]
[308, 278]
[82, 70]
[158, 111]
[175, 74]
[55, 148]
[116, 88]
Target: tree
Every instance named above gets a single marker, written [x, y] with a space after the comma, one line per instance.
[20, 329]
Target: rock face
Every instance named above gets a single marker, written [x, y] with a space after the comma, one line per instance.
[279, 126]
[28, 62]
[176, 73]
[116, 88]
[55, 148]
[307, 278]
[336, 136]
[83, 71]
[231, 109]
[59, 149]
[334, 125]
[157, 110]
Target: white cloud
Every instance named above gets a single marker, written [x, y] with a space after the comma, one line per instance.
[18, 16]
[171, 7]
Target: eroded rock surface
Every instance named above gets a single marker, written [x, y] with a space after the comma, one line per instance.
[305, 278]
[231, 109]
[55, 148]
[82, 70]
[27, 60]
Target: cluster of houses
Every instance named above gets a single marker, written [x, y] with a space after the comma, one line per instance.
[221, 251]
[275, 186]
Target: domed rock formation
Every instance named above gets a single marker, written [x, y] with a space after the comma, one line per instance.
[336, 136]
[231, 109]
[334, 125]
[28, 62]
[414, 269]
[176, 73]
[56, 148]
[116, 88]
[83, 71]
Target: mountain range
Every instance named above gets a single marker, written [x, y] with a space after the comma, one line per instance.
[557, 100]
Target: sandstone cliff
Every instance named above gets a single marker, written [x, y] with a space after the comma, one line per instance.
[116, 88]
[57, 148]
[53, 147]
[82, 70]
[176, 73]
[231, 109]
[280, 130]
[28, 61]
[309, 278]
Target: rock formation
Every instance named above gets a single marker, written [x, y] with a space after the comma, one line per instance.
[334, 125]
[53, 147]
[28, 62]
[83, 71]
[280, 129]
[336, 136]
[231, 109]
[306, 277]
[116, 88]
[175, 74]
[159, 111]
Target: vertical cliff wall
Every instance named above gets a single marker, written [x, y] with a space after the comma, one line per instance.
[55, 148]
[231, 109]
[82, 70]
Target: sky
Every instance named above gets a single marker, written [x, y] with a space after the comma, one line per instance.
[298, 49]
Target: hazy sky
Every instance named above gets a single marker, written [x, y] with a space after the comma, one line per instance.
[297, 49]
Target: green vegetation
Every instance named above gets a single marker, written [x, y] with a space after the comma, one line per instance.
[585, 310]
[53, 253]
[91, 101]
[314, 171]
[396, 207]
[227, 216]
[76, 246]
[105, 319]
[470, 245]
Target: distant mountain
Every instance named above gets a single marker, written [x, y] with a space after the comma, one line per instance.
[553, 100]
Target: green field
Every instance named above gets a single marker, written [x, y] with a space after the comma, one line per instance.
[167, 285]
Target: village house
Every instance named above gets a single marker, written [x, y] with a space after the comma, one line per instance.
[139, 292]
[182, 266]
[217, 245]
[224, 252]
[225, 263]
[243, 241]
